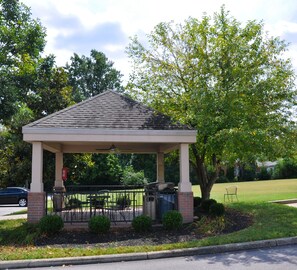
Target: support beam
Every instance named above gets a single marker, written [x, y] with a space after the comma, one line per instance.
[184, 168]
[37, 167]
[160, 168]
[58, 170]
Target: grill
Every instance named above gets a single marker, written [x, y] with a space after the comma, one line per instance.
[159, 198]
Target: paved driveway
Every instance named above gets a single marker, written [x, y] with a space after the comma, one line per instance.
[9, 209]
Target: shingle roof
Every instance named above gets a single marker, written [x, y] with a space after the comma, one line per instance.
[108, 110]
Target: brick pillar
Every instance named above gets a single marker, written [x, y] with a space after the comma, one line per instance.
[36, 206]
[186, 206]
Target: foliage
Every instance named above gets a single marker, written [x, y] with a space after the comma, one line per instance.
[99, 224]
[142, 223]
[22, 41]
[123, 201]
[228, 81]
[286, 168]
[50, 224]
[92, 75]
[206, 204]
[217, 210]
[130, 177]
[197, 201]
[210, 225]
[264, 174]
[172, 220]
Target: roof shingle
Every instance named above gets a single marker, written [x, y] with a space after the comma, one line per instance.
[108, 110]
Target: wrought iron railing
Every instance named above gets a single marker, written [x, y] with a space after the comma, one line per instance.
[119, 203]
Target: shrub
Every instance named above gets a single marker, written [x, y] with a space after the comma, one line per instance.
[197, 201]
[286, 168]
[217, 210]
[99, 224]
[205, 205]
[130, 177]
[172, 220]
[142, 223]
[51, 225]
[123, 201]
[264, 174]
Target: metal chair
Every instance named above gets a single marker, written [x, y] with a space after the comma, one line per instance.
[231, 192]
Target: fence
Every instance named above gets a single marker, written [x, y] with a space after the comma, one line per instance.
[119, 203]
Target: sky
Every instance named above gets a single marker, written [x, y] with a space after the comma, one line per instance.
[78, 26]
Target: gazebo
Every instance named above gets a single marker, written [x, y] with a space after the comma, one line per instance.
[95, 126]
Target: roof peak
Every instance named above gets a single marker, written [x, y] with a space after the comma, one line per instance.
[108, 110]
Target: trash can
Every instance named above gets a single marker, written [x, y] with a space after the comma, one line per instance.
[58, 198]
[149, 206]
[166, 202]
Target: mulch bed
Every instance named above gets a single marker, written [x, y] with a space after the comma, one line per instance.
[128, 237]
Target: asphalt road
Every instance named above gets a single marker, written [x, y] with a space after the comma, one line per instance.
[284, 258]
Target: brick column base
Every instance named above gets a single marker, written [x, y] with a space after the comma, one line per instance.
[36, 206]
[186, 206]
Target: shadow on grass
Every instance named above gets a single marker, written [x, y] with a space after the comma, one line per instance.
[17, 232]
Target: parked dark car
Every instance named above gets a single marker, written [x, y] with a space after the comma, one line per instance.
[14, 195]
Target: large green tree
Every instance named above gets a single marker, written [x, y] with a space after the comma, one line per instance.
[92, 75]
[229, 81]
[22, 39]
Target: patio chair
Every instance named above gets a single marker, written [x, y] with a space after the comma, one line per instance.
[99, 201]
[231, 192]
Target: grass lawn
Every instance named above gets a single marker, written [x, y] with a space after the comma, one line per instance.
[270, 221]
[256, 191]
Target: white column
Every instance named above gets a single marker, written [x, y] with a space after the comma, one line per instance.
[184, 168]
[160, 167]
[37, 167]
[58, 170]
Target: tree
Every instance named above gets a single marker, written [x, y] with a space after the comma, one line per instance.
[230, 82]
[22, 41]
[92, 75]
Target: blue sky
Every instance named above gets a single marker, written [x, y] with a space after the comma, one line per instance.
[106, 25]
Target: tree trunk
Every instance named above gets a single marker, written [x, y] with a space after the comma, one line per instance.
[206, 182]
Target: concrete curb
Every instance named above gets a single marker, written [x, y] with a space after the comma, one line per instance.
[148, 255]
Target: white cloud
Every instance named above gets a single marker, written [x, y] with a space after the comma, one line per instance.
[78, 25]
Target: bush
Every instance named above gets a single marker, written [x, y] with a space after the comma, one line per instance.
[286, 168]
[50, 225]
[99, 224]
[205, 205]
[264, 174]
[130, 177]
[197, 201]
[142, 223]
[123, 201]
[172, 220]
[217, 210]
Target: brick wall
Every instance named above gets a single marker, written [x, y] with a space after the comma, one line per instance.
[36, 206]
[186, 206]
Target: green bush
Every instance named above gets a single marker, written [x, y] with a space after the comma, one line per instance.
[286, 168]
[197, 201]
[205, 205]
[217, 210]
[123, 201]
[172, 220]
[142, 223]
[99, 224]
[130, 177]
[264, 174]
[50, 225]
